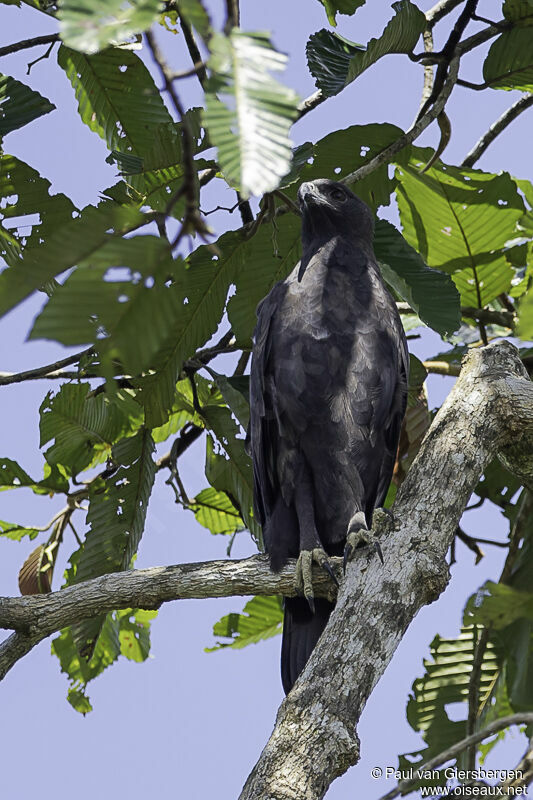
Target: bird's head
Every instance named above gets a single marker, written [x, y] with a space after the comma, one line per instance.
[330, 208]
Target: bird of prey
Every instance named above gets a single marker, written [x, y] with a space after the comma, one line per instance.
[328, 392]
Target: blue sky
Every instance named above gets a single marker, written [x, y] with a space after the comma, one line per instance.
[186, 723]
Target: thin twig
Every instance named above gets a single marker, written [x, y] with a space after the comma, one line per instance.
[471, 543]
[196, 69]
[496, 128]
[40, 58]
[7, 378]
[442, 368]
[452, 752]
[25, 44]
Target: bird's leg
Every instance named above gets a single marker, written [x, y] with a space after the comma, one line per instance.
[359, 536]
[311, 550]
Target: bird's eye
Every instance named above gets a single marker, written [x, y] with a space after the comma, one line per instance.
[337, 194]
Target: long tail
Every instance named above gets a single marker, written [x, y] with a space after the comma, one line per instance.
[301, 632]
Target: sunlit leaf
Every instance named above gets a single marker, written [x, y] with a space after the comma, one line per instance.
[252, 136]
[92, 25]
[261, 618]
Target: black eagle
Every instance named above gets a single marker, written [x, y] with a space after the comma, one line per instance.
[328, 393]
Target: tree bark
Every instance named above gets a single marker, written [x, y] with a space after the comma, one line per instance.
[489, 412]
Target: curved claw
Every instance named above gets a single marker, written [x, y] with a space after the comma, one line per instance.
[311, 602]
[377, 548]
[329, 569]
[348, 550]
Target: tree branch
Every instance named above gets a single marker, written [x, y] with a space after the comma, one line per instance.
[41, 615]
[489, 409]
[413, 133]
[48, 371]
[496, 128]
[452, 752]
[25, 44]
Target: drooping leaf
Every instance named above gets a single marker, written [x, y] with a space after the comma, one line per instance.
[19, 105]
[334, 7]
[125, 632]
[459, 220]
[65, 247]
[81, 424]
[235, 391]
[28, 212]
[429, 292]
[234, 477]
[116, 517]
[90, 26]
[215, 511]
[514, 10]
[525, 323]
[446, 681]
[334, 61]
[252, 137]
[117, 97]
[509, 62]
[329, 56]
[35, 576]
[261, 618]
[498, 485]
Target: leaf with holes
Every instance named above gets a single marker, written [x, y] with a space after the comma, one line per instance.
[203, 284]
[341, 152]
[28, 212]
[254, 149]
[460, 220]
[65, 247]
[261, 618]
[12, 476]
[116, 518]
[446, 680]
[92, 25]
[119, 300]
[335, 62]
[429, 292]
[117, 97]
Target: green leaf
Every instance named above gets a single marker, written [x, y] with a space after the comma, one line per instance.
[335, 62]
[130, 320]
[261, 618]
[341, 152]
[92, 25]
[82, 425]
[203, 285]
[12, 476]
[460, 220]
[232, 475]
[19, 105]
[269, 257]
[215, 511]
[509, 62]
[66, 246]
[117, 97]
[252, 137]
[334, 7]
[235, 391]
[517, 9]
[124, 632]
[116, 516]
[429, 292]
[28, 212]
[498, 605]
[498, 485]
[525, 324]
[446, 680]
[329, 56]
[16, 532]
